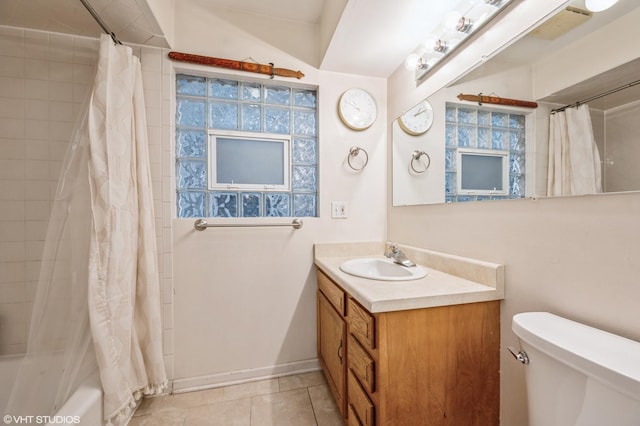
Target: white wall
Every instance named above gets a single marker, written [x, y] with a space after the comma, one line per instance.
[245, 298]
[43, 79]
[622, 148]
[574, 256]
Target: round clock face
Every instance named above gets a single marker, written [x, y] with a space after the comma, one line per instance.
[357, 109]
[418, 119]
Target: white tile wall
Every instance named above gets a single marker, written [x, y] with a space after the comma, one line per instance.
[44, 78]
[37, 81]
[157, 76]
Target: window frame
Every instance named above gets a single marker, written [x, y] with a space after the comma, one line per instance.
[300, 126]
[504, 155]
[212, 137]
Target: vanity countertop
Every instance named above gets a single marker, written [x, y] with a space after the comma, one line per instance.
[450, 280]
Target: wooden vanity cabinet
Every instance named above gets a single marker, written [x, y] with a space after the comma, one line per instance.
[332, 338]
[434, 366]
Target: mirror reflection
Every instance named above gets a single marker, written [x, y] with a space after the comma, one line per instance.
[492, 152]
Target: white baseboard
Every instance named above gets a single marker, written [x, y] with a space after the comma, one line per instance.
[243, 376]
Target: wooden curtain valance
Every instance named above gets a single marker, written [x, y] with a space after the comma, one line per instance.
[235, 65]
[480, 99]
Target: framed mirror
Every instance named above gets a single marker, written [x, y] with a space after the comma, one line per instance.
[572, 57]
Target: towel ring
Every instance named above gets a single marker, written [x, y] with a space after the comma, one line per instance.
[415, 158]
[354, 152]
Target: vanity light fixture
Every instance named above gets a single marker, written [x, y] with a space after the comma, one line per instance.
[599, 5]
[456, 26]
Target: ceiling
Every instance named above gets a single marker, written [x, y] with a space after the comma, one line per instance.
[131, 20]
[532, 47]
[371, 37]
[617, 77]
[374, 37]
[307, 11]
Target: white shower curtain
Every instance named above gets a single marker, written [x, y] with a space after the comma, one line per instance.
[98, 278]
[59, 352]
[124, 298]
[574, 160]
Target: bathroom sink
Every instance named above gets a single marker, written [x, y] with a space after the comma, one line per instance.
[375, 268]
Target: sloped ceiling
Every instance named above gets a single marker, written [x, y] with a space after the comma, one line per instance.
[361, 37]
[615, 78]
[531, 48]
[131, 20]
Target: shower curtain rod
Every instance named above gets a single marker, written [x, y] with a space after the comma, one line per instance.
[593, 98]
[100, 21]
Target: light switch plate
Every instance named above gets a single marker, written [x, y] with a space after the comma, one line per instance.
[338, 210]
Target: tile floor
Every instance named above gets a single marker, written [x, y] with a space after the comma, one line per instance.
[299, 400]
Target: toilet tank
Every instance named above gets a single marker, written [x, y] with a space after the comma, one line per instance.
[578, 375]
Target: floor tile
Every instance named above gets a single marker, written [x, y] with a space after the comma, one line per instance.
[297, 400]
[301, 381]
[228, 413]
[166, 417]
[290, 408]
[324, 406]
[246, 390]
[180, 400]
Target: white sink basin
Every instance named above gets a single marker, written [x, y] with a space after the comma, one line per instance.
[375, 268]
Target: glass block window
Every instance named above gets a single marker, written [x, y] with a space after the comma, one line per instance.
[484, 130]
[245, 111]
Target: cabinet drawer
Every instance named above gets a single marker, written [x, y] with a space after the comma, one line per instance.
[361, 324]
[361, 364]
[359, 402]
[334, 294]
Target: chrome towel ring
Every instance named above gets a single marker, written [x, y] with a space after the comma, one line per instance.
[415, 160]
[354, 152]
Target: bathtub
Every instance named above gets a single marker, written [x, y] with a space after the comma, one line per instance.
[84, 406]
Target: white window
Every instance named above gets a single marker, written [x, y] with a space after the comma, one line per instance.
[482, 172]
[249, 161]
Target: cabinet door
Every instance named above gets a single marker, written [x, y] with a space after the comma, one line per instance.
[332, 333]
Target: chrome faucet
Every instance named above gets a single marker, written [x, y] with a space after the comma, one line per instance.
[394, 253]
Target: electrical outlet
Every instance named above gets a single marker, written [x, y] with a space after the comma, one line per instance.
[338, 210]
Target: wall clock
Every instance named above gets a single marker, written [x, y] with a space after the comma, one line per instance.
[418, 119]
[357, 109]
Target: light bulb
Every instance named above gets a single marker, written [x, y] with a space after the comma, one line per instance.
[599, 5]
[430, 42]
[412, 61]
[451, 20]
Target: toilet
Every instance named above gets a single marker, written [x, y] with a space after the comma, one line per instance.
[577, 375]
